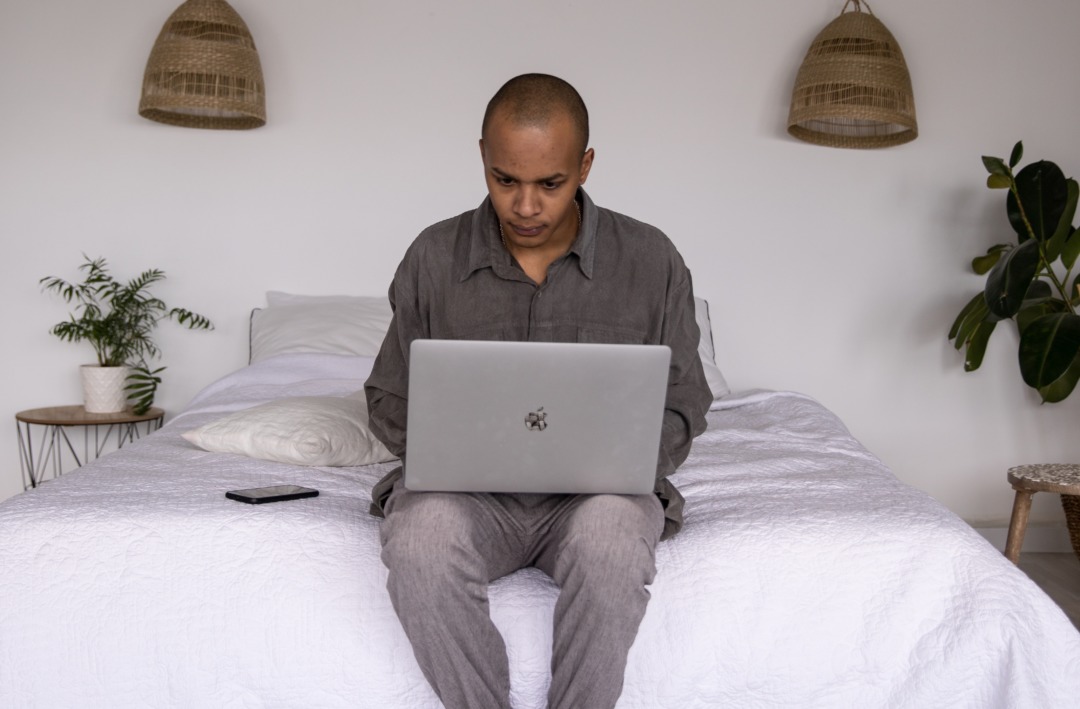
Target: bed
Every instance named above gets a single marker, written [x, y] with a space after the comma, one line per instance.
[807, 574]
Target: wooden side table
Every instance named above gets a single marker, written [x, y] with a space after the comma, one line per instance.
[47, 454]
[1027, 480]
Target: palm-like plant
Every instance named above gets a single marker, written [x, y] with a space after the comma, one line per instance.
[118, 320]
[1029, 282]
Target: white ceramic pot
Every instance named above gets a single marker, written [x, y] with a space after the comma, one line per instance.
[103, 388]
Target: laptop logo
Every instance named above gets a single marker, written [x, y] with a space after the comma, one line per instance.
[537, 420]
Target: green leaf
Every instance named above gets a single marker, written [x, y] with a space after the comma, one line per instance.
[976, 348]
[193, 321]
[1017, 154]
[973, 328]
[1008, 282]
[1038, 304]
[998, 182]
[142, 386]
[1038, 290]
[1064, 226]
[1071, 249]
[996, 166]
[1048, 347]
[972, 314]
[1061, 387]
[982, 264]
[1043, 194]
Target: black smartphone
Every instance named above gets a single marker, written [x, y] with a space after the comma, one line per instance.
[274, 493]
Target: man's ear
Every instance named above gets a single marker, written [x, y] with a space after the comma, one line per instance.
[586, 164]
[482, 149]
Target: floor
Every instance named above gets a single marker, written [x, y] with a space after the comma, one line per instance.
[1059, 576]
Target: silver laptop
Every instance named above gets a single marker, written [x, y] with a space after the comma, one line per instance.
[534, 416]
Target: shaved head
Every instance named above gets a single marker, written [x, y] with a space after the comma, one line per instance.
[533, 99]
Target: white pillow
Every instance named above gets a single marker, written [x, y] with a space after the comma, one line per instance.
[352, 325]
[717, 384]
[329, 431]
[356, 325]
[276, 297]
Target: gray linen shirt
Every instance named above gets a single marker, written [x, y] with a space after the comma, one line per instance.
[622, 281]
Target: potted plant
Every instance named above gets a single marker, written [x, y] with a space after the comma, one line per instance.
[118, 320]
[1030, 281]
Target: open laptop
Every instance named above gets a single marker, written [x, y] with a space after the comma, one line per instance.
[534, 416]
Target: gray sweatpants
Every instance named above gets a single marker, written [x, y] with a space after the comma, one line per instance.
[443, 549]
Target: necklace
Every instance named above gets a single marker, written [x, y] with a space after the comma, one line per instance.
[502, 236]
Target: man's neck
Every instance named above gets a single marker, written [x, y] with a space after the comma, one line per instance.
[536, 261]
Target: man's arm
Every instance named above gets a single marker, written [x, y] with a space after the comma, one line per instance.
[387, 388]
[688, 394]
[387, 393]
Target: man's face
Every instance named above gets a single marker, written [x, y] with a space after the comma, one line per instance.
[532, 176]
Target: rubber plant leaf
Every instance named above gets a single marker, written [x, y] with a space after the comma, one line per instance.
[976, 348]
[1043, 193]
[1071, 249]
[1064, 229]
[996, 166]
[1017, 154]
[968, 320]
[1048, 348]
[1060, 389]
[1008, 282]
[1039, 301]
[982, 264]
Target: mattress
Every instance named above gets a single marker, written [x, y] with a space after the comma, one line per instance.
[807, 575]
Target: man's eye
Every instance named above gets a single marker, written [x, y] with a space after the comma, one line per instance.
[552, 185]
[505, 181]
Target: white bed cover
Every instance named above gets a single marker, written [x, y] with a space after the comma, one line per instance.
[807, 575]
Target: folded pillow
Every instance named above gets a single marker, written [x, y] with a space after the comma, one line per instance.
[353, 325]
[325, 431]
[717, 384]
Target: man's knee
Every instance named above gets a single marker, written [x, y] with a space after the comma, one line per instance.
[429, 536]
[614, 535]
[616, 517]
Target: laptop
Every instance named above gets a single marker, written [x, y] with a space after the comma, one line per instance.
[536, 417]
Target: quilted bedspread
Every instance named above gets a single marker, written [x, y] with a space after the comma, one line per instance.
[807, 575]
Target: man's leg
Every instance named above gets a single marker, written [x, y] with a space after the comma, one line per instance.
[600, 550]
[442, 549]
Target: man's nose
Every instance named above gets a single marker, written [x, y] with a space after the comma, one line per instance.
[528, 202]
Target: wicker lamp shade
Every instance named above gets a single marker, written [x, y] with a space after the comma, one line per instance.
[204, 71]
[853, 89]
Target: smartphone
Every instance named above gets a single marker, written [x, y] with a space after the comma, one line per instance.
[274, 493]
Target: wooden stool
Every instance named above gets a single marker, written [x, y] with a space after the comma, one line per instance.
[1027, 480]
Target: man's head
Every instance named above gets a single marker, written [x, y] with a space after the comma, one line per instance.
[532, 99]
[535, 149]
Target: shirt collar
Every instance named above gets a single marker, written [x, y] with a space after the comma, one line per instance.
[487, 251]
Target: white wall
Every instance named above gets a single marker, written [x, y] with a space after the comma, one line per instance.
[832, 272]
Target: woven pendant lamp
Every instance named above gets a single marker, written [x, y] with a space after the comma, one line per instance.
[204, 71]
[853, 89]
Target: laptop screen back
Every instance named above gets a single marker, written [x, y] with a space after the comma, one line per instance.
[534, 416]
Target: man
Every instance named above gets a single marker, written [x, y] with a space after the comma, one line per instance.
[536, 261]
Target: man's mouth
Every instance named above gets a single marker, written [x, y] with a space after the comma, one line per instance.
[527, 231]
